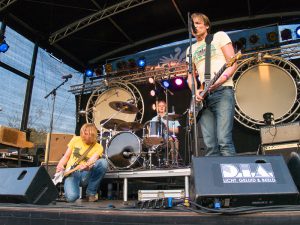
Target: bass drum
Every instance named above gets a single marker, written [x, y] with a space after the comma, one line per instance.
[124, 151]
[98, 109]
[268, 85]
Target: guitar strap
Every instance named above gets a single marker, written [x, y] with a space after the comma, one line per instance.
[208, 40]
[83, 155]
[207, 75]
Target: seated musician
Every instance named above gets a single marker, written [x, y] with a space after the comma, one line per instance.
[91, 168]
[173, 129]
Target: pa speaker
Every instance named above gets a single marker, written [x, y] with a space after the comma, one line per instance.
[242, 181]
[31, 185]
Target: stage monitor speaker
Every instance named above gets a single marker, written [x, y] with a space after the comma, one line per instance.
[30, 185]
[58, 146]
[242, 181]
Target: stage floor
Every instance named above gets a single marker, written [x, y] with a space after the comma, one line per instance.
[115, 212]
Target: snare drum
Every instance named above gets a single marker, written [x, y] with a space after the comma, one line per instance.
[154, 133]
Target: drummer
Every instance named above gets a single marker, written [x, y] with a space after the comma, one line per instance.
[173, 128]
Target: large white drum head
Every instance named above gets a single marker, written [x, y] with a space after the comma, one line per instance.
[102, 110]
[265, 88]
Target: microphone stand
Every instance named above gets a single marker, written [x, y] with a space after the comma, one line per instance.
[53, 94]
[166, 91]
[193, 87]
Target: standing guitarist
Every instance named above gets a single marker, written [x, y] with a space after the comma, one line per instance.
[216, 117]
[84, 156]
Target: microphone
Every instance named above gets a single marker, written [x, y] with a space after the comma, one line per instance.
[194, 27]
[128, 154]
[66, 76]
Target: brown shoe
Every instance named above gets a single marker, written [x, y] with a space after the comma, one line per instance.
[92, 198]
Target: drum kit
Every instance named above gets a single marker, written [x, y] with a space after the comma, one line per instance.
[124, 149]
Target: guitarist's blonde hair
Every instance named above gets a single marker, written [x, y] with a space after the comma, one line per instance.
[91, 130]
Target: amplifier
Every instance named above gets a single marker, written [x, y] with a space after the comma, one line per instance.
[281, 149]
[280, 133]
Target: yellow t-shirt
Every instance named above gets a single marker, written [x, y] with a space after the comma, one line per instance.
[220, 39]
[78, 148]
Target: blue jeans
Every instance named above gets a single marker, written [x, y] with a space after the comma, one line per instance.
[90, 178]
[217, 122]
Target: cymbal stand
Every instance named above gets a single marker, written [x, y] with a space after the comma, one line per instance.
[150, 152]
[173, 151]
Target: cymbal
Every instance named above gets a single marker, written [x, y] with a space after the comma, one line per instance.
[172, 116]
[133, 126]
[124, 107]
[112, 123]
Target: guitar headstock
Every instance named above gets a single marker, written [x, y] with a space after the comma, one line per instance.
[236, 57]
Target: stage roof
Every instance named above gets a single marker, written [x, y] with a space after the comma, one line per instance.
[89, 32]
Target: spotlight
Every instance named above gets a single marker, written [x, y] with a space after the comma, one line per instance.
[272, 36]
[286, 34]
[151, 80]
[3, 46]
[178, 81]
[141, 62]
[269, 118]
[89, 72]
[153, 106]
[297, 31]
[152, 93]
[253, 38]
[166, 83]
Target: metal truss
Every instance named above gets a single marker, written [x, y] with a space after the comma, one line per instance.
[135, 77]
[100, 15]
[5, 3]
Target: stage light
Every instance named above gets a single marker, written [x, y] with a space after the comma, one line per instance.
[178, 81]
[99, 70]
[153, 106]
[297, 31]
[141, 62]
[272, 36]
[269, 118]
[253, 39]
[151, 80]
[89, 72]
[286, 34]
[152, 93]
[166, 83]
[3, 45]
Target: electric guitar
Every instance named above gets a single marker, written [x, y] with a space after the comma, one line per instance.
[59, 176]
[206, 85]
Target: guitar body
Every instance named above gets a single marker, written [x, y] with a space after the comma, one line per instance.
[58, 177]
[206, 85]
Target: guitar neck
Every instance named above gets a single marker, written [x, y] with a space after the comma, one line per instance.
[67, 173]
